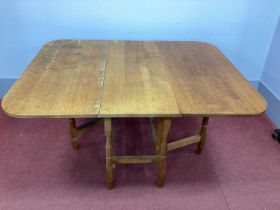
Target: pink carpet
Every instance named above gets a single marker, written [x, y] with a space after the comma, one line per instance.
[239, 168]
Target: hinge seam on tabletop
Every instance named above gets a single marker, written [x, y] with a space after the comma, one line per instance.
[101, 79]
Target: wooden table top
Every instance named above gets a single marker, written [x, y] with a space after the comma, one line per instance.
[74, 78]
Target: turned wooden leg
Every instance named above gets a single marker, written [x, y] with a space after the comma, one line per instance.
[202, 133]
[163, 129]
[158, 137]
[109, 153]
[73, 133]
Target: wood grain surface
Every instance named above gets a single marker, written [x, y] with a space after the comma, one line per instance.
[73, 78]
[206, 83]
[136, 83]
[64, 80]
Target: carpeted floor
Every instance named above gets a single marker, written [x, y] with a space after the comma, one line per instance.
[239, 169]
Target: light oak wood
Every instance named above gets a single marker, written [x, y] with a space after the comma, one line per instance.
[77, 130]
[109, 153]
[205, 83]
[136, 83]
[73, 133]
[202, 133]
[158, 136]
[135, 159]
[164, 124]
[183, 142]
[72, 79]
[64, 80]
[107, 79]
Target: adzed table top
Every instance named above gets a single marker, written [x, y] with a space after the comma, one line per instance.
[76, 79]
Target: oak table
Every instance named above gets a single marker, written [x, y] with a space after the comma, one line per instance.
[118, 79]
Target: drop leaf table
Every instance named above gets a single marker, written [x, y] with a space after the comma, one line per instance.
[105, 80]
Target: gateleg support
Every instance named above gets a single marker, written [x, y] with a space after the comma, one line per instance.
[76, 130]
[73, 133]
[163, 127]
[202, 133]
[109, 152]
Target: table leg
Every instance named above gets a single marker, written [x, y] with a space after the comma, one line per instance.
[158, 129]
[202, 133]
[163, 127]
[109, 153]
[76, 130]
[73, 133]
